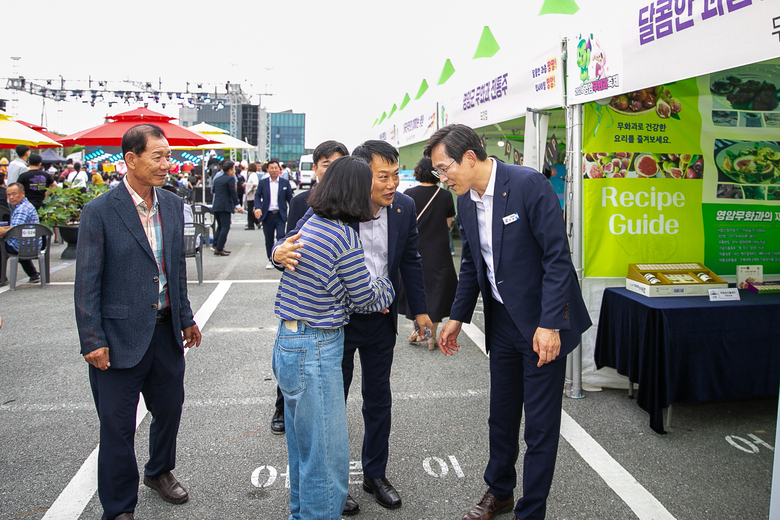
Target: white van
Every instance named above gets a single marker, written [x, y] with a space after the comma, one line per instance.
[305, 172]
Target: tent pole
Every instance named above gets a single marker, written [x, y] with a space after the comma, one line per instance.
[203, 172]
[573, 386]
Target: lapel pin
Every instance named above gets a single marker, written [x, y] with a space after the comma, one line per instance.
[504, 194]
[399, 210]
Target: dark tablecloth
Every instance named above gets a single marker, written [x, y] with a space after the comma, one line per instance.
[689, 349]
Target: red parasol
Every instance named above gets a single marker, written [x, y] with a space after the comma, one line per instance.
[41, 130]
[110, 134]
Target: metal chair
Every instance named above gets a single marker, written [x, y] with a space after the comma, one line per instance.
[30, 237]
[202, 214]
[193, 245]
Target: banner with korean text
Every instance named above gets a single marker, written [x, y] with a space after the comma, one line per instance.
[686, 171]
[661, 41]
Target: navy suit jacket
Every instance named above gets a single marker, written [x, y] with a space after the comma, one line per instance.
[225, 196]
[116, 290]
[403, 260]
[533, 269]
[263, 197]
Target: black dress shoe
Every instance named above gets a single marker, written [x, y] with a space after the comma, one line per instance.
[277, 423]
[383, 491]
[351, 507]
[125, 516]
[218, 252]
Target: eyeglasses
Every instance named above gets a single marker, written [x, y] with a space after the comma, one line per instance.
[438, 173]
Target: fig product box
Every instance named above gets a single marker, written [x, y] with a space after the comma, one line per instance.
[747, 274]
[672, 279]
[764, 287]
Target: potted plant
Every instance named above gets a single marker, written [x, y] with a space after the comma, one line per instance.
[62, 209]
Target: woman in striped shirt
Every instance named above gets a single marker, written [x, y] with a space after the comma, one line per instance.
[314, 303]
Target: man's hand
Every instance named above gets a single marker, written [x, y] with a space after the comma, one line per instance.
[4, 230]
[258, 214]
[240, 209]
[547, 344]
[448, 337]
[191, 336]
[98, 358]
[286, 254]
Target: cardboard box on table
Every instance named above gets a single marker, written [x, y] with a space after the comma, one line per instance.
[680, 279]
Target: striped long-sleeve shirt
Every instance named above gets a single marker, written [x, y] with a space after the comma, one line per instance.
[331, 280]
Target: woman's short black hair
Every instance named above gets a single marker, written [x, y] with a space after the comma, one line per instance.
[345, 192]
[422, 172]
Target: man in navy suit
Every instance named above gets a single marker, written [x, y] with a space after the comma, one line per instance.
[516, 255]
[390, 246]
[271, 199]
[131, 311]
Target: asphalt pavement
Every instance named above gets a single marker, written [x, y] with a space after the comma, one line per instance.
[715, 462]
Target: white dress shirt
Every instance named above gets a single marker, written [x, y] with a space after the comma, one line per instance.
[273, 205]
[373, 235]
[485, 221]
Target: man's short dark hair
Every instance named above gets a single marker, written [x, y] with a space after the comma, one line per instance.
[136, 138]
[264, 168]
[227, 165]
[77, 166]
[18, 185]
[457, 140]
[269, 163]
[328, 148]
[22, 149]
[345, 192]
[35, 160]
[370, 149]
[422, 172]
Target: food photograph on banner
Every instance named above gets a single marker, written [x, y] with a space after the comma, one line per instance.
[741, 195]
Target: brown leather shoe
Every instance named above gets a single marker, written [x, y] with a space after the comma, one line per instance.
[489, 506]
[169, 488]
[125, 516]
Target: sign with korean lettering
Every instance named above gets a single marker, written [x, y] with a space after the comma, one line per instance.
[418, 122]
[661, 41]
[505, 89]
[704, 186]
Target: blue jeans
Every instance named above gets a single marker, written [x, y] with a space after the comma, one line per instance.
[307, 366]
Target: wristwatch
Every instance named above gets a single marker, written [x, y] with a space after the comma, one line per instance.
[555, 330]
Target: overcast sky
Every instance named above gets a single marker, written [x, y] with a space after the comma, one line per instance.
[342, 62]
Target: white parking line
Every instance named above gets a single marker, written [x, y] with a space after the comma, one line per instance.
[636, 497]
[80, 490]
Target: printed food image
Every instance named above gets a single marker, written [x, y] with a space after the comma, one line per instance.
[642, 165]
[644, 101]
[750, 162]
[729, 191]
[753, 87]
[725, 118]
[772, 120]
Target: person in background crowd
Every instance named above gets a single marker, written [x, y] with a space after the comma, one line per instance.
[78, 177]
[516, 255]
[35, 182]
[252, 180]
[97, 178]
[390, 244]
[115, 180]
[313, 304]
[19, 165]
[225, 204]
[3, 197]
[435, 211]
[240, 185]
[323, 156]
[24, 213]
[4, 166]
[132, 312]
[271, 199]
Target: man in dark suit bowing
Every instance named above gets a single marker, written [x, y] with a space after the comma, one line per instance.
[131, 311]
[390, 247]
[271, 199]
[516, 254]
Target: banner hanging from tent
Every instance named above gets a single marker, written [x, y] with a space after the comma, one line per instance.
[697, 181]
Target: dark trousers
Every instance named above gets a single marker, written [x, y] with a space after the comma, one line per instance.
[251, 221]
[27, 265]
[223, 219]
[373, 336]
[516, 382]
[159, 376]
[272, 223]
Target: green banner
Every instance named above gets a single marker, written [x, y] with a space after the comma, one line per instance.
[716, 147]
[634, 220]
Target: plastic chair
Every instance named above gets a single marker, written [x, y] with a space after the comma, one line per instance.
[29, 237]
[202, 214]
[193, 241]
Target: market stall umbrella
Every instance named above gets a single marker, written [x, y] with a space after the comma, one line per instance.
[110, 134]
[222, 140]
[13, 133]
[52, 157]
